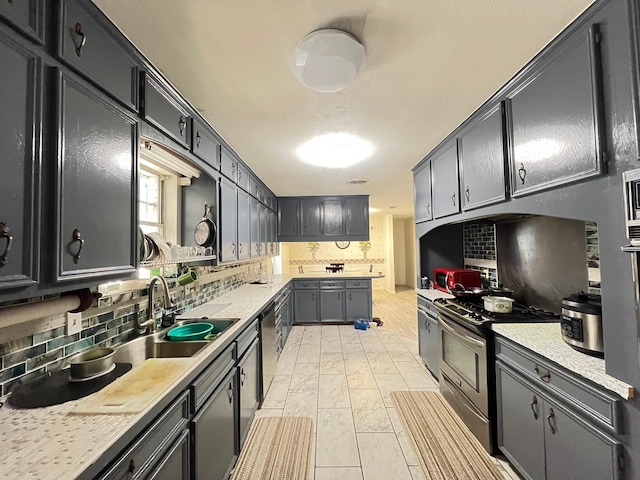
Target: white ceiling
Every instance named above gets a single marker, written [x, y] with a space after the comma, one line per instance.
[430, 63]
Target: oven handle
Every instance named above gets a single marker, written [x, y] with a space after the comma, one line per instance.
[461, 335]
[428, 313]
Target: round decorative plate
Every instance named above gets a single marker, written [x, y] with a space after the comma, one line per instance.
[342, 245]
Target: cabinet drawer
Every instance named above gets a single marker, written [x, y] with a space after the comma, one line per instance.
[243, 178]
[247, 337]
[331, 284]
[205, 145]
[228, 165]
[202, 387]
[27, 16]
[165, 112]
[358, 283]
[88, 47]
[306, 285]
[149, 449]
[576, 394]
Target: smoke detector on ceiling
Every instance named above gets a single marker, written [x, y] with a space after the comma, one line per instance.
[328, 60]
[357, 181]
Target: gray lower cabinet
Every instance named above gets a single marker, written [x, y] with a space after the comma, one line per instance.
[244, 225]
[332, 305]
[175, 464]
[20, 139]
[213, 430]
[555, 117]
[422, 193]
[306, 303]
[97, 176]
[358, 304]
[228, 231]
[164, 111]
[482, 162]
[26, 16]
[88, 47]
[249, 382]
[428, 345]
[545, 432]
[444, 182]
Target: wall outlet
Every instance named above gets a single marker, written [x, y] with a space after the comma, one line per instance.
[74, 323]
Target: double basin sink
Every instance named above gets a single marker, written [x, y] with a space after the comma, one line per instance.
[157, 345]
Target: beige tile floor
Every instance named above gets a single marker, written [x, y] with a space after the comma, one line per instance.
[341, 377]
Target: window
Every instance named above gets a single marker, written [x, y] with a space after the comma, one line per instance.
[150, 202]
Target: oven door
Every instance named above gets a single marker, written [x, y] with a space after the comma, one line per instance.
[463, 359]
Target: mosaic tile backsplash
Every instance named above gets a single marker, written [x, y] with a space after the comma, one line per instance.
[29, 349]
[479, 241]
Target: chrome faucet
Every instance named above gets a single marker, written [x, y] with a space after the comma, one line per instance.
[150, 323]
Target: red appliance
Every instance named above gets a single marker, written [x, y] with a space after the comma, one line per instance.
[446, 278]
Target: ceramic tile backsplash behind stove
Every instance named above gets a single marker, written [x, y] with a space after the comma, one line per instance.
[29, 349]
[480, 250]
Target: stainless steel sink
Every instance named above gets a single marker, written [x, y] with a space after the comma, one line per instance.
[156, 345]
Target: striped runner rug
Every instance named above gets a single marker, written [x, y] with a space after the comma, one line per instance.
[445, 447]
[277, 448]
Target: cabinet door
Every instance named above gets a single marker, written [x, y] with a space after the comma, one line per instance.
[332, 305]
[26, 16]
[20, 153]
[422, 193]
[96, 185]
[306, 306]
[163, 111]
[358, 304]
[214, 430]
[254, 215]
[444, 182]
[356, 216]
[310, 217]
[423, 336]
[333, 221]
[271, 233]
[92, 50]
[520, 423]
[263, 229]
[229, 225]
[433, 350]
[244, 225]
[556, 119]
[288, 224]
[575, 450]
[228, 165]
[481, 153]
[205, 145]
[250, 381]
[243, 178]
[174, 464]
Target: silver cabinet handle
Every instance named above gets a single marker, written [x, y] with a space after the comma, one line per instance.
[534, 407]
[83, 39]
[182, 124]
[543, 376]
[466, 193]
[453, 198]
[549, 417]
[230, 392]
[77, 237]
[522, 173]
[5, 233]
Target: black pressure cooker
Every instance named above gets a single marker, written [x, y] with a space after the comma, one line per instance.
[582, 323]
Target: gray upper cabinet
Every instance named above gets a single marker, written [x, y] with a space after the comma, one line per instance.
[555, 117]
[244, 180]
[87, 46]
[254, 215]
[333, 223]
[310, 219]
[244, 225]
[26, 16]
[272, 244]
[288, 221]
[228, 165]
[20, 150]
[444, 182]
[205, 145]
[422, 193]
[164, 111]
[97, 176]
[262, 218]
[229, 222]
[482, 163]
[356, 216]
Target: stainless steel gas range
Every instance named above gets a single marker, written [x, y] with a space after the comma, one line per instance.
[467, 359]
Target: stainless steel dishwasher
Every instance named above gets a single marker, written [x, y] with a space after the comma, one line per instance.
[269, 349]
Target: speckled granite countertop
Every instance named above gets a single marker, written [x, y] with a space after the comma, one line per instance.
[432, 294]
[545, 339]
[51, 443]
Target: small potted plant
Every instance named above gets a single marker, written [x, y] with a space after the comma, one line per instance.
[365, 247]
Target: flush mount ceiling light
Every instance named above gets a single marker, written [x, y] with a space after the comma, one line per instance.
[328, 60]
[335, 150]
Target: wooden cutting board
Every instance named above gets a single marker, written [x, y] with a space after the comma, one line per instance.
[135, 390]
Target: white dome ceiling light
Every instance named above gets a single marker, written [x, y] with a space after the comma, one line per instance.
[328, 60]
[335, 150]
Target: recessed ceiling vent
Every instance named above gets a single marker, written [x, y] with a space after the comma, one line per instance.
[357, 181]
